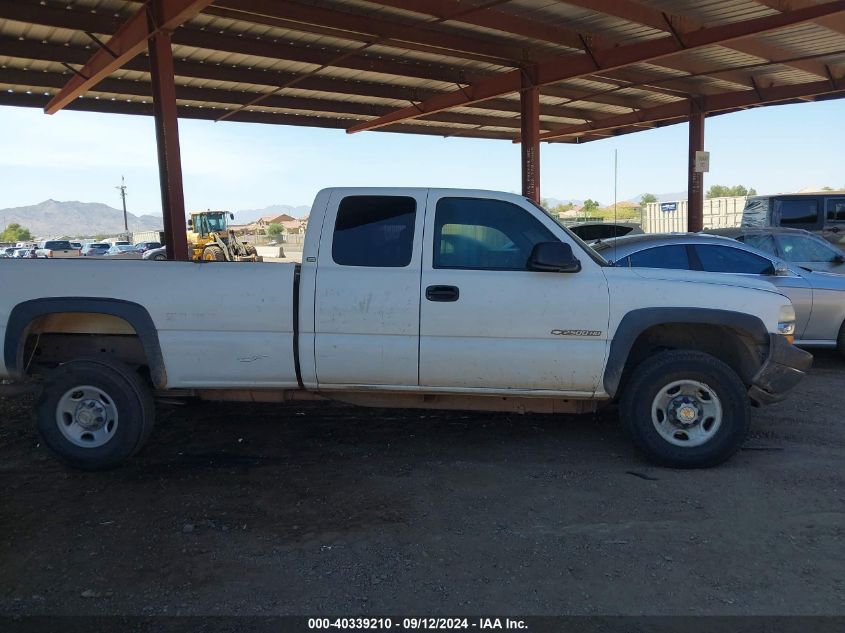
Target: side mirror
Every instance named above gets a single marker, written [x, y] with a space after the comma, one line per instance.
[190, 224]
[781, 270]
[839, 259]
[553, 257]
[231, 216]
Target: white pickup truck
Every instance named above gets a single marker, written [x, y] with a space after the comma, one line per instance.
[423, 298]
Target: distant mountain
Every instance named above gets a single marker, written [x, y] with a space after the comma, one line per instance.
[54, 218]
[251, 215]
[663, 197]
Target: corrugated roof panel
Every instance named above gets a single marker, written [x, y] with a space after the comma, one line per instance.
[712, 12]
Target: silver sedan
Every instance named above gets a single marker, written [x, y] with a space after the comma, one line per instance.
[797, 246]
[818, 297]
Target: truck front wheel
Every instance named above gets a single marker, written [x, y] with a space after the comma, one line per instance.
[94, 414]
[685, 409]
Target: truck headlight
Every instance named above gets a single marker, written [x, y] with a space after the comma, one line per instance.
[786, 322]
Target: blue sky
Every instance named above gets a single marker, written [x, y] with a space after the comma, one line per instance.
[81, 156]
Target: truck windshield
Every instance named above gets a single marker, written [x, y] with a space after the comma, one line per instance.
[601, 261]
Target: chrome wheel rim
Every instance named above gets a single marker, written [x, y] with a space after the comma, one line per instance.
[686, 413]
[86, 416]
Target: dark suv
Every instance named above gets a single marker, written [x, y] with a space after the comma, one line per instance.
[822, 213]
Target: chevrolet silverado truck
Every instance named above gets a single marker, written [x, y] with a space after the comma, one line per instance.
[58, 249]
[417, 298]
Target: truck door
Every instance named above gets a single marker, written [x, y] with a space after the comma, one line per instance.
[367, 295]
[834, 225]
[489, 323]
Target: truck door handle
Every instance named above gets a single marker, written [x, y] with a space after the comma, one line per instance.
[442, 293]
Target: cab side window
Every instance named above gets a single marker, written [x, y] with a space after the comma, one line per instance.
[374, 231]
[801, 213]
[723, 259]
[482, 234]
[673, 257]
[836, 210]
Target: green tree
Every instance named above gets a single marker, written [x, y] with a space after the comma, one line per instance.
[275, 230]
[648, 198]
[590, 205]
[723, 191]
[15, 233]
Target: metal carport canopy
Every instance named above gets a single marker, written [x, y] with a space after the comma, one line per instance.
[518, 70]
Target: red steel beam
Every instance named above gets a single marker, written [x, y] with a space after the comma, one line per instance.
[709, 103]
[167, 134]
[580, 65]
[660, 20]
[129, 40]
[530, 151]
[695, 179]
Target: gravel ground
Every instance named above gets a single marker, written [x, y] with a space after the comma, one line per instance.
[314, 509]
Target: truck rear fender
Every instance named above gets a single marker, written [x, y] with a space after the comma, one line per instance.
[123, 317]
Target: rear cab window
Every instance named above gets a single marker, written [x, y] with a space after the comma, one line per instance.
[798, 213]
[374, 231]
[57, 245]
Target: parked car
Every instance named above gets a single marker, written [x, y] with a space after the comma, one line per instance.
[10, 251]
[822, 213]
[143, 247]
[592, 231]
[388, 310]
[797, 246]
[22, 253]
[56, 249]
[818, 297]
[157, 254]
[76, 245]
[122, 251]
[96, 249]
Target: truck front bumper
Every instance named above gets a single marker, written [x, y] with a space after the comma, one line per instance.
[784, 368]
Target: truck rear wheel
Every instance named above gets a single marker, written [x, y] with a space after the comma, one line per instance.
[685, 409]
[213, 254]
[94, 414]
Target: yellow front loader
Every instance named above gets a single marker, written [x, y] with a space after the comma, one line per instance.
[210, 239]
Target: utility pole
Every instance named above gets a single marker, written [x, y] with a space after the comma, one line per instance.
[122, 188]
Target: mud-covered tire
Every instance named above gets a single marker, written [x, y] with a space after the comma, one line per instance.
[652, 414]
[250, 250]
[213, 254]
[118, 392]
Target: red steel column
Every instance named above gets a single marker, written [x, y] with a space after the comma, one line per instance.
[529, 99]
[695, 179]
[167, 137]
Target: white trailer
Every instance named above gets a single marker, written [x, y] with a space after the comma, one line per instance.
[671, 217]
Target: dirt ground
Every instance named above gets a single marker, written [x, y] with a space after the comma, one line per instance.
[332, 509]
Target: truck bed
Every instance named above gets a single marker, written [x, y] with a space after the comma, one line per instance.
[219, 325]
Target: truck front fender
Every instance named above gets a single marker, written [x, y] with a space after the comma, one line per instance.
[637, 322]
